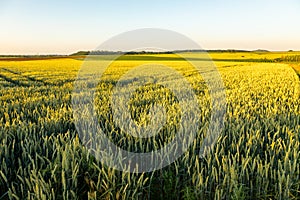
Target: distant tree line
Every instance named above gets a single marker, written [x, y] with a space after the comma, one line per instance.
[102, 52]
[292, 58]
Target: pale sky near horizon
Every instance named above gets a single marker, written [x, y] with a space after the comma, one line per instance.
[64, 27]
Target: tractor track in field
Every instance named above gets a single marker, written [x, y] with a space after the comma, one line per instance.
[296, 68]
[27, 77]
[19, 83]
[15, 82]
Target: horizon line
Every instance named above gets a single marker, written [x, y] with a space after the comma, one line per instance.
[145, 51]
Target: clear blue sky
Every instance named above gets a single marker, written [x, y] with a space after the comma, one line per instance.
[56, 26]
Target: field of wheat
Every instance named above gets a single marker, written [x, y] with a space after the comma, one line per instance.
[256, 155]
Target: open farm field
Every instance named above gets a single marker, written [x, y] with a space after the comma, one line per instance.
[256, 155]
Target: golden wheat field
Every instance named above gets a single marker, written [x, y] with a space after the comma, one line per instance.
[256, 155]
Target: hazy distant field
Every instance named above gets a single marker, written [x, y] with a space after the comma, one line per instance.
[256, 156]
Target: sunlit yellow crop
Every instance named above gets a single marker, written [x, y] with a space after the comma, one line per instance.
[256, 156]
